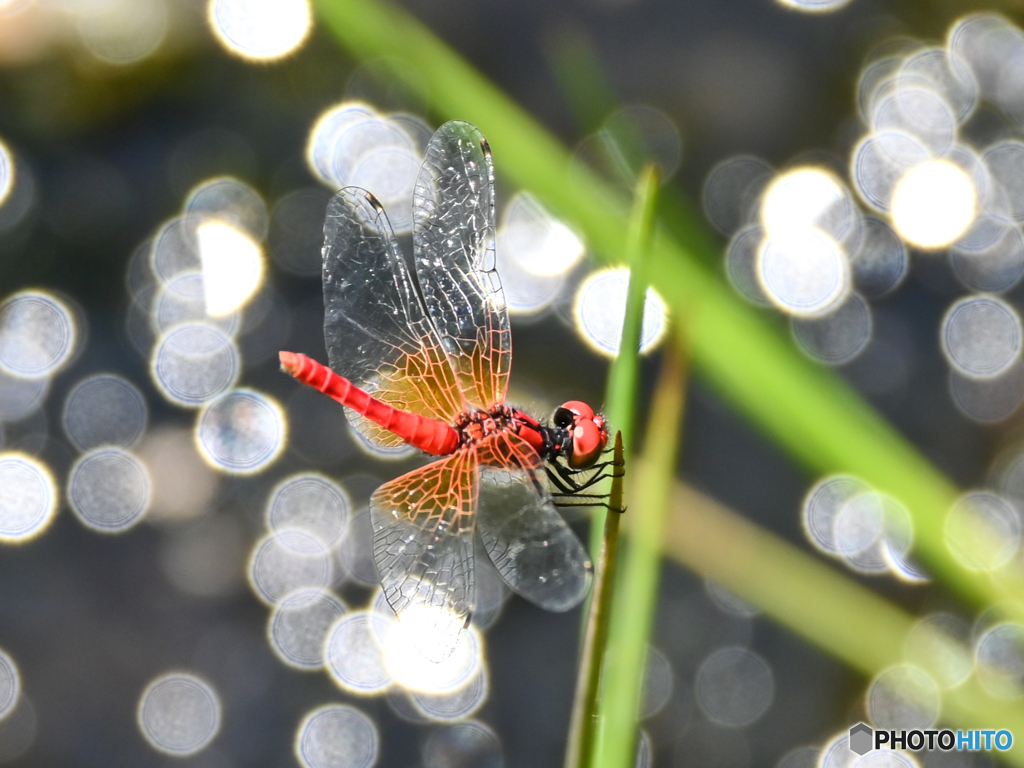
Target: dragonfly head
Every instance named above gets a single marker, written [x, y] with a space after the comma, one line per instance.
[588, 431]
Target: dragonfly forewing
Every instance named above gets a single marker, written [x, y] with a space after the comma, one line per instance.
[375, 327]
[453, 238]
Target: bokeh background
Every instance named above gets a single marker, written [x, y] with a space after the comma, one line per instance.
[184, 570]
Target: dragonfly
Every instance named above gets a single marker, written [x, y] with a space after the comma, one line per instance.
[425, 360]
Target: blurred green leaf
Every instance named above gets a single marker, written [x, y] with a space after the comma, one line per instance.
[815, 601]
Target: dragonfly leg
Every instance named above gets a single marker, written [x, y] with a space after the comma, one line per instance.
[588, 503]
[564, 478]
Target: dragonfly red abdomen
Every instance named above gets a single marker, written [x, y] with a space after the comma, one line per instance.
[430, 435]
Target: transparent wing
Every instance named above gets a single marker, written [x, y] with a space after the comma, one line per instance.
[423, 547]
[453, 236]
[527, 540]
[377, 333]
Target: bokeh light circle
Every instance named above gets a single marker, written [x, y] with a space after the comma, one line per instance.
[454, 705]
[879, 161]
[229, 201]
[803, 271]
[409, 667]
[866, 525]
[262, 30]
[242, 432]
[600, 307]
[805, 197]
[741, 257]
[7, 171]
[285, 561]
[988, 401]
[1005, 162]
[109, 490]
[10, 685]
[836, 753]
[354, 655]
[337, 736]
[183, 299]
[822, 505]
[947, 74]
[233, 266]
[299, 624]
[903, 697]
[933, 204]
[990, 256]
[37, 334]
[312, 502]
[983, 531]
[123, 31]
[536, 241]
[920, 112]
[734, 687]
[179, 714]
[21, 397]
[173, 251]
[28, 497]
[982, 336]
[327, 132]
[658, 683]
[839, 336]
[469, 743]
[814, 6]
[194, 363]
[999, 656]
[105, 409]
[732, 190]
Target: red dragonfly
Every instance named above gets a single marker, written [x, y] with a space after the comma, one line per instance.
[426, 361]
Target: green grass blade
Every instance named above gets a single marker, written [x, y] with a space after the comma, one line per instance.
[583, 727]
[637, 587]
[620, 395]
[620, 399]
[814, 601]
[750, 360]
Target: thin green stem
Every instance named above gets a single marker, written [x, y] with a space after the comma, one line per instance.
[583, 727]
[637, 588]
[622, 377]
[620, 395]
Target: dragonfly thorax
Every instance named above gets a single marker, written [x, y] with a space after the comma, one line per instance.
[474, 426]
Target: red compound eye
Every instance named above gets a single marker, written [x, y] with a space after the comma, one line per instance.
[579, 408]
[588, 440]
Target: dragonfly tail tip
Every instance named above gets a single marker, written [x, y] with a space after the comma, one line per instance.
[289, 362]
